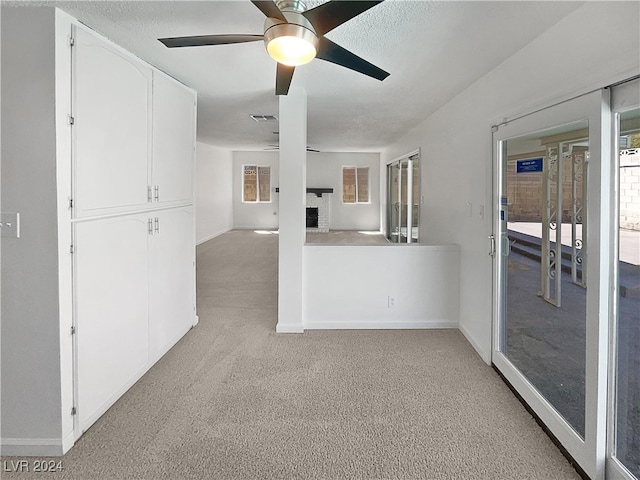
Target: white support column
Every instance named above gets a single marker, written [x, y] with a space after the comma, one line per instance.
[292, 203]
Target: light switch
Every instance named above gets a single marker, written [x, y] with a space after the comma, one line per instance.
[10, 225]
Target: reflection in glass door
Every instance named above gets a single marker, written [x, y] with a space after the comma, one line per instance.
[625, 448]
[545, 317]
[403, 200]
[549, 298]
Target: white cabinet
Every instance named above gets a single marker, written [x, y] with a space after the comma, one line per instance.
[111, 131]
[133, 136]
[133, 139]
[171, 279]
[111, 307]
[173, 141]
[134, 295]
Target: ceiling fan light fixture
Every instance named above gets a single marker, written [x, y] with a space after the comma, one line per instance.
[291, 44]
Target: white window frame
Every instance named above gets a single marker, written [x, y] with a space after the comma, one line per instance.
[257, 167]
[356, 202]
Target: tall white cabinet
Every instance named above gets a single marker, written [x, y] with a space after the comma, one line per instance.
[99, 160]
[133, 139]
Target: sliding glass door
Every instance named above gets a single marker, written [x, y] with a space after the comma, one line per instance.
[552, 207]
[624, 434]
[403, 200]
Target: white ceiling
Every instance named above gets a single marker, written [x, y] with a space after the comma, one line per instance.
[433, 50]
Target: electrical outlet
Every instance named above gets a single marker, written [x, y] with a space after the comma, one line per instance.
[391, 302]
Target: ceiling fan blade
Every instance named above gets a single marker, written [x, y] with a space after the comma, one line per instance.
[202, 40]
[269, 8]
[284, 74]
[334, 53]
[328, 16]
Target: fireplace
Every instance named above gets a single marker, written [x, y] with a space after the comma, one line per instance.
[312, 217]
[318, 209]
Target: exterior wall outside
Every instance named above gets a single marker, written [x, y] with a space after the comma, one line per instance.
[630, 189]
[214, 190]
[451, 180]
[524, 191]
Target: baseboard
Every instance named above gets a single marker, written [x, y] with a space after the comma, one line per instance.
[68, 442]
[32, 447]
[272, 227]
[486, 356]
[380, 325]
[289, 328]
[211, 237]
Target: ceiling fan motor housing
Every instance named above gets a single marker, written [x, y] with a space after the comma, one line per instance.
[297, 26]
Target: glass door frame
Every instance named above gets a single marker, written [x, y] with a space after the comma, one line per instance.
[590, 453]
[624, 97]
[409, 159]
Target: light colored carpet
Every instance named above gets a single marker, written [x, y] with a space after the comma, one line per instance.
[235, 400]
[352, 237]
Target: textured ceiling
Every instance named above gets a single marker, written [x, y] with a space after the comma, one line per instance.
[432, 49]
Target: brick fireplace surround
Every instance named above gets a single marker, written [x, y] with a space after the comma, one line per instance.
[321, 199]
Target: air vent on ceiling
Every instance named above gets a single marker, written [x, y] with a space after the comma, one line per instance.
[264, 118]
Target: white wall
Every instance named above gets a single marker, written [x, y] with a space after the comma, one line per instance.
[255, 215]
[214, 191]
[347, 286]
[30, 322]
[325, 170]
[596, 45]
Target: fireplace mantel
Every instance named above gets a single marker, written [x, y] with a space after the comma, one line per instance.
[317, 191]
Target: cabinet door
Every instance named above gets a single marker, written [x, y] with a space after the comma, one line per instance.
[173, 140]
[111, 134]
[111, 287]
[171, 279]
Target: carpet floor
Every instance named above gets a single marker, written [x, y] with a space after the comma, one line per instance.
[235, 400]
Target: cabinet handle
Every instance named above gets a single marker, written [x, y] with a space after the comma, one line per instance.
[149, 195]
[157, 193]
[150, 226]
[157, 225]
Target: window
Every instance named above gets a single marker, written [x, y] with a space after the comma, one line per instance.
[256, 184]
[355, 184]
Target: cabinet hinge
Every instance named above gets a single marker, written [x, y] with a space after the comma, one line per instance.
[71, 119]
[71, 249]
[73, 410]
[71, 203]
[72, 41]
[73, 330]
[150, 226]
[149, 194]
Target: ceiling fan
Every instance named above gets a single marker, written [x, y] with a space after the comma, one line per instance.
[277, 147]
[294, 36]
